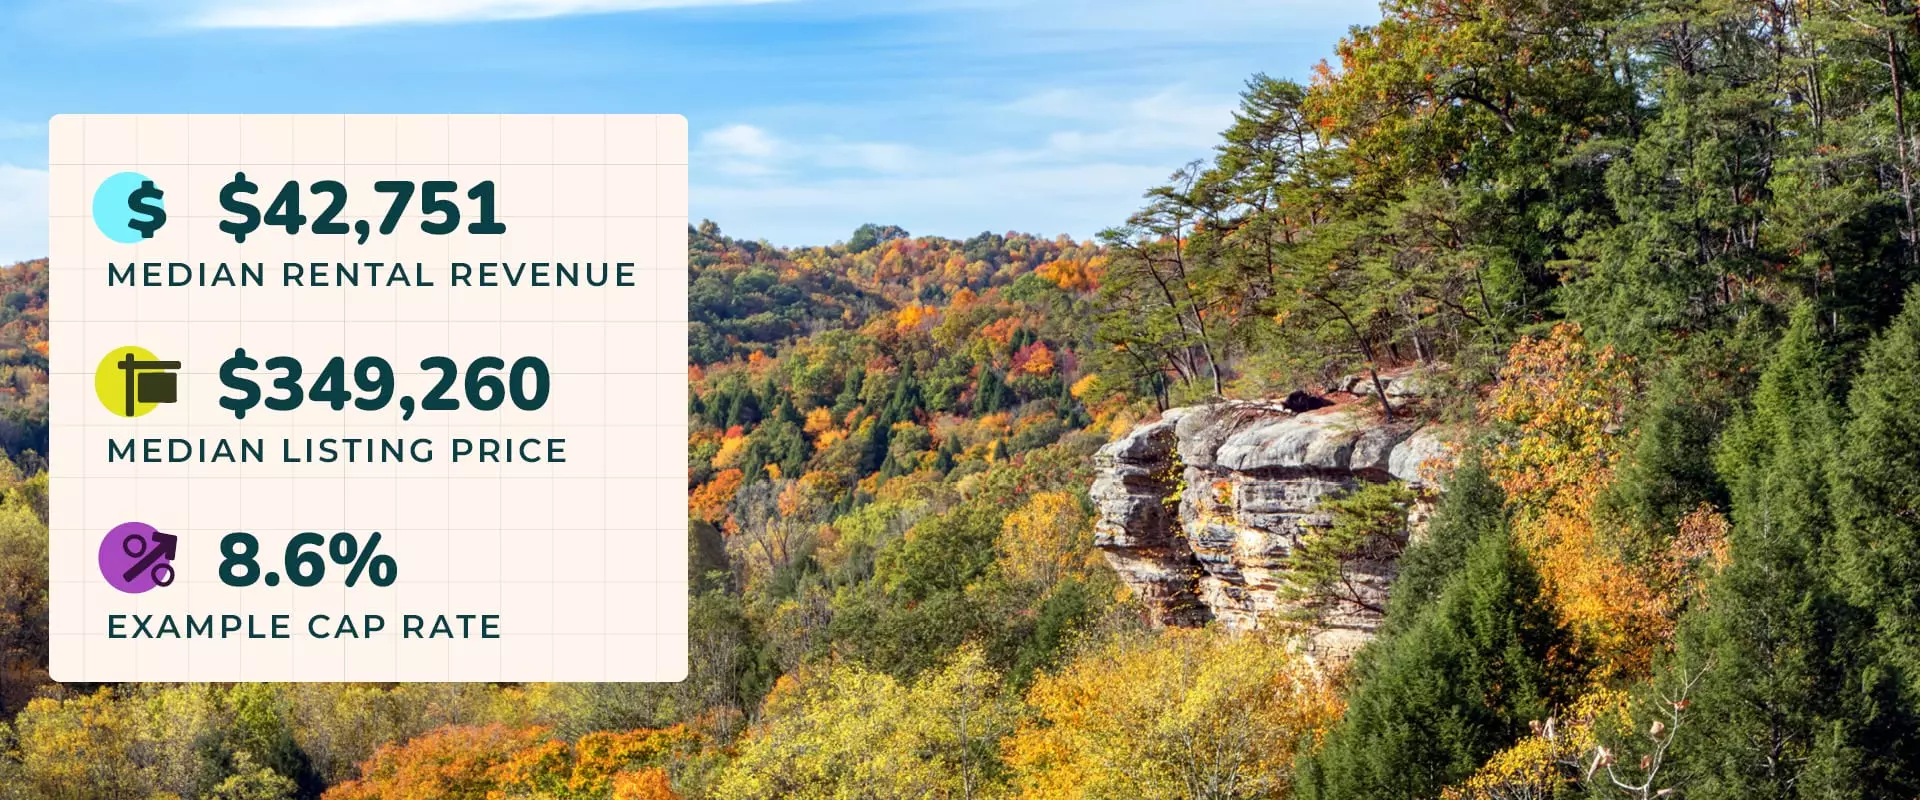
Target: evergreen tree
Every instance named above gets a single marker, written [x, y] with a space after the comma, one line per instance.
[744, 409]
[1471, 505]
[1458, 684]
[1779, 710]
[991, 394]
[1877, 491]
[1670, 472]
[849, 396]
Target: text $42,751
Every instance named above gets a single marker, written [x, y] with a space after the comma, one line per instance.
[442, 212]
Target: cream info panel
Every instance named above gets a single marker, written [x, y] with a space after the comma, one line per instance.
[368, 398]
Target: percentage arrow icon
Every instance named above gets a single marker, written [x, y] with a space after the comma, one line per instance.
[165, 545]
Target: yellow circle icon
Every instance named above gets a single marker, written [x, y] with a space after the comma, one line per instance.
[132, 381]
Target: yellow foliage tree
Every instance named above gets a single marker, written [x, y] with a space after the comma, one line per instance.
[730, 449]
[76, 749]
[845, 732]
[914, 317]
[1173, 714]
[1047, 540]
[1543, 765]
[819, 421]
[596, 766]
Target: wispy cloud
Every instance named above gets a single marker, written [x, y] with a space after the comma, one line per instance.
[743, 150]
[362, 13]
[809, 116]
[1171, 119]
[23, 213]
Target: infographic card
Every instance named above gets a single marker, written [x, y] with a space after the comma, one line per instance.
[368, 398]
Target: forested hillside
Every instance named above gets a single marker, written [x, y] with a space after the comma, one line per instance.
[1656, 262]
[23, 360]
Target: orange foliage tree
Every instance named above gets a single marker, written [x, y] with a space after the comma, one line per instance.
[496, 762]
[1559, 405]
[451, 763]
[709, 502]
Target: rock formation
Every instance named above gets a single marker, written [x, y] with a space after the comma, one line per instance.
[1199, 511]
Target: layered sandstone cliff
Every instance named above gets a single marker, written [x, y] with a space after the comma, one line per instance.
[1199, 511]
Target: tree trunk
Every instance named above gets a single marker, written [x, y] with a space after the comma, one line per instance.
[1901, 144]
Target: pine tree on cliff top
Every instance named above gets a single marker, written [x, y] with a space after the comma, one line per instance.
[1460, 682]
[1781, 707]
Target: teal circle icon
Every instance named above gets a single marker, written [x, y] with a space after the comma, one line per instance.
[127, 207]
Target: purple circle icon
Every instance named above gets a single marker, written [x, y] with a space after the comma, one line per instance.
[136, 557]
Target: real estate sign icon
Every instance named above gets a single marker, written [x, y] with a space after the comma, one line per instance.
[131, 381]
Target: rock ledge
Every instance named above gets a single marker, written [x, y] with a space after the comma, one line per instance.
[1199, 511]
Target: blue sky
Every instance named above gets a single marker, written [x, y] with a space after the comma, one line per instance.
[807, 117]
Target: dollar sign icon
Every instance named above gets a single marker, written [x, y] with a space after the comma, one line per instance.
[146, 200]
[127, 207]
[230, 200]
[249, 391]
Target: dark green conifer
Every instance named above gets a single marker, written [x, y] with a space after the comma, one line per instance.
[1783, 704]
[1460, 682]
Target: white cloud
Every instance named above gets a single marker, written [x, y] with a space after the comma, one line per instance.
[1156, 18]
[23, 213]
[743, 150]
[740, 149]
[359, 13]
[743, 141]
[1175, 118]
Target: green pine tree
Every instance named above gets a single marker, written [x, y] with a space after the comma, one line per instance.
[1458, 684]
[1780, 708]
[1877, 492]
[1472, 504]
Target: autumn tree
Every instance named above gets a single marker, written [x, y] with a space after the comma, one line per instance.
[843, 731]
[1196, 714]
[251, 781]
[1557, 411]
[23, 600]
[1046, 541]
[1557, 753]
[602, 764]
[79, 749]
[774, 525]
